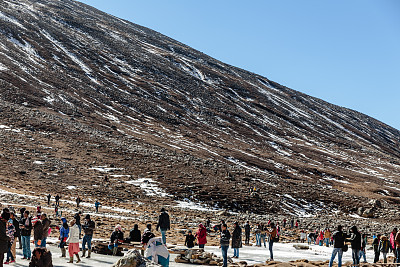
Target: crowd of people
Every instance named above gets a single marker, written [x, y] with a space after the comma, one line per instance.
[37, 226]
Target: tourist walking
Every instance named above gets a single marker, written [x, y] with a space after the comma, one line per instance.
[57, 200]
[78, 201]
[272, 233]
[163, 224]
[77, 218]
[48, 199]
[384, 247]
[73, 242]
[88, 229]
[375, 246]
[225, 236]
[26, 231]
[247, 229]
[339, 238]
[97, 205]
[355, 239]
[236, 239]
[201, 235]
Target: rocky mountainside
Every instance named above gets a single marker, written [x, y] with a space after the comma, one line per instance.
[93, 105]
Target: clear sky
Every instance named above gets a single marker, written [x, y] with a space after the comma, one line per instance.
[346, 52]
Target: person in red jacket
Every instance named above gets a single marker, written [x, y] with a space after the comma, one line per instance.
[201, 235]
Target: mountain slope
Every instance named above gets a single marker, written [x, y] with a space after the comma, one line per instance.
[92, 89]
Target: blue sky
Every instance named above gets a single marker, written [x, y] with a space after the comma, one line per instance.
[344, 52]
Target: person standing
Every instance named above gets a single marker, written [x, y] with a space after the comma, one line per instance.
[48, 199]
[397, 242]
[37, 231]
[26, 230]
[393, 243]
[384, 246]
[284, 223]
[46, 229]
[225, 236]
[147, 235]
[73, 242]
[327, 237]
[57, 200]
[263, 234]
[135, 235]
[258, 235]
[163, 224]
[272, 233]
[88, 229]
[64, 233]
[4, 239]
[236, 239]
[189, 240]
[11, 235]
[247, 229]
[77, 218]
[355, 240]
[97, 205]
[17, 234]
[78, 201]
[375, 246]
[201, 235]
[363, 246]
[338, 243]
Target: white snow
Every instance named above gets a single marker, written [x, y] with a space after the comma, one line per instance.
[38, 162]
[105, 169]
[187, 204]
[149, 186]
[71, 187]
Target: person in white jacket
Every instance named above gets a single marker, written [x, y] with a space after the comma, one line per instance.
[73, 241]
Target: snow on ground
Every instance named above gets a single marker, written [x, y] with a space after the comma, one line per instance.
[282, 252]
[149, 186]
[187, 204]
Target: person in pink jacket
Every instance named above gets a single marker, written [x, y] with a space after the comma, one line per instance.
[201, 235]
[393, 243]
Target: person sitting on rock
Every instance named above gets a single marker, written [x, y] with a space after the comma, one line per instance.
[135, 235]
[117, 237]
[147, 235]
[189, 241]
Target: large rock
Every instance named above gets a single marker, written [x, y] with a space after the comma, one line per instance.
[134, 259]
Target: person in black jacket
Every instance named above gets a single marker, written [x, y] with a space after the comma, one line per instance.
[163, 224]
[355, 240]
[247, 229]
[117, 237]
[77, 218]
[339, 237]
[236, 239]
[189, 241]
[26, 230]
[41, 257]
[224, 243]
[135, 235]
[88, 228]
[4, 239]
[147, 235]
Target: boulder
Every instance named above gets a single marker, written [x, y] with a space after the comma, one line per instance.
[134, 259]
[369, 213]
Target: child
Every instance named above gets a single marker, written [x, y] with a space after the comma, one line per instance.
[189, 241]
[64, 232]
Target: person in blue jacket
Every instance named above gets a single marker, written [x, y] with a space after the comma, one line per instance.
[64, 233]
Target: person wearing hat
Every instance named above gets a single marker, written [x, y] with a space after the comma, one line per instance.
[117, 237]
[163, 224]
[4, 239]
[88, 229]
[189, 241]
